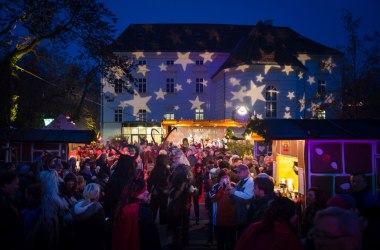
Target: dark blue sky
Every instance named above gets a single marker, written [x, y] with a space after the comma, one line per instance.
[319, 20]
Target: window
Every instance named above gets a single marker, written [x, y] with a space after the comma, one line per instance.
[199, 85]
[141, 115]
[321, 114]
[170, 85]
[199, 62]
[142, 62]
[170, 62]
[118, 115]
[321, 87]
[118, 86]
[169, 116]
[142, 85]
[199, 114]
[271, 102]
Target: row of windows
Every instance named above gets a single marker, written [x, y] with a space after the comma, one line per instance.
[142, 115]
[199, 87]
[170, 84]
[270, 98]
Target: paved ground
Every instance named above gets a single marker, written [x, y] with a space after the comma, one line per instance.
[198, 233]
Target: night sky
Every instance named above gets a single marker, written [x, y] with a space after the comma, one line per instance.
[318, 20]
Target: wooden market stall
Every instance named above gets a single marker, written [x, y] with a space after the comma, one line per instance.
[322, 153]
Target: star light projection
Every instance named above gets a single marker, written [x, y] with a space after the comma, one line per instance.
[160, 94]
[184, 60]
[163, 67]
[142, 69]
[328, 65]
[196, 104]
[207, 57]
[252, 91]
[137, 103]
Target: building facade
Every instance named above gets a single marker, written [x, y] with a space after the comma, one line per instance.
[215, 72]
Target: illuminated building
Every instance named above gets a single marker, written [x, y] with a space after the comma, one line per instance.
[207, 72]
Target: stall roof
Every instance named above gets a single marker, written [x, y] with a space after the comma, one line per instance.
[47, 135]
[281, 129]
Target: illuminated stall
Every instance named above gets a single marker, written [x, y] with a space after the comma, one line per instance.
[322, 153]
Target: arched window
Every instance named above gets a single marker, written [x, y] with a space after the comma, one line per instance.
[271, 102]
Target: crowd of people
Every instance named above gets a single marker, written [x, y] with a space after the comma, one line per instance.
[116, 197]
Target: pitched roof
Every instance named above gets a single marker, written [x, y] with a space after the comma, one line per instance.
[293, 129]
[47, 135]
[247, 44]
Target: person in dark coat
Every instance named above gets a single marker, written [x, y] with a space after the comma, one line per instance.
[276, 231]
[11, 222]
[134, 226]
[197, 183]
[158, 187]
[89, 225]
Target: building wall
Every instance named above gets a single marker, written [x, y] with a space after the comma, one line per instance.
[225, 89]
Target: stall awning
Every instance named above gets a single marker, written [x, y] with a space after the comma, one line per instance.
[288, 129]
[47, 135]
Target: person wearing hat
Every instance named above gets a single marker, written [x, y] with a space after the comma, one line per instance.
[241, 196]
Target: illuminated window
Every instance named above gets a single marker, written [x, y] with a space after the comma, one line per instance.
[142, 85]
[170, 62]
[199, 62]
[199, 85]
[142, 62]
[199, 114]
[321, 114]
[118, 115]
[322, 87]
[141, 115]
[271, 101]
[118, 86]
[169, 116]
[170, 85]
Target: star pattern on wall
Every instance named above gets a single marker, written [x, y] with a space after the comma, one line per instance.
[287, 114]
[123, 104]
[300, 75]
[142, 69]
[178, 87]
[290, 95]
[239, 95]
[287, 69]
[183, 59]
[242, 68]
[163, 67]
[196, 104]
[108, 88]
[228, 104]
[303, 58]
[329, 98]
[259, 78]
[234, 81]
[160, 94]
[207, 57]
[328, 65]
[269, 67]
[302, 102]
[204, 83]
[189, 81]
[311, 80]
[313, 108]
[139, 102]
[176, 107]
[255, 93]
[138, 55]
